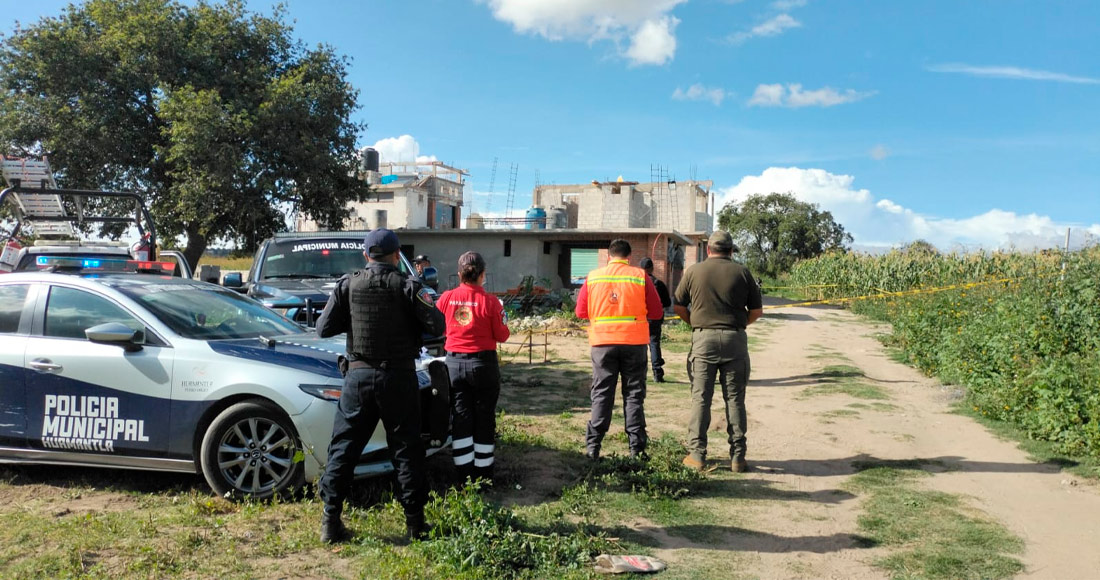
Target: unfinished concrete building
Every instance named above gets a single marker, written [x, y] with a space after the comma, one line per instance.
[411, 195]
[684, 206]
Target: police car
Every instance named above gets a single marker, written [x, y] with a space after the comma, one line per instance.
[103, 367]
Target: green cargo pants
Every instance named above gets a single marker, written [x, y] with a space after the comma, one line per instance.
[722, 354]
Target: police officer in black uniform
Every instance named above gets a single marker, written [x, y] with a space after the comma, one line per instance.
[384, 313]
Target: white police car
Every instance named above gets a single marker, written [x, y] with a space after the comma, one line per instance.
[143, 371]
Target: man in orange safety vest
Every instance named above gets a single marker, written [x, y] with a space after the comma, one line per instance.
[619, 300]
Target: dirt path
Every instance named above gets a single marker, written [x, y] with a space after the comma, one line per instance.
[808, 444]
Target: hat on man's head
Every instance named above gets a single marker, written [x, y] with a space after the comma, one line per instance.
[645, 263]
[421, 258]
[722, 241]
[381, 242]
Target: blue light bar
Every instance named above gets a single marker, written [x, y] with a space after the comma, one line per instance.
[104, 265]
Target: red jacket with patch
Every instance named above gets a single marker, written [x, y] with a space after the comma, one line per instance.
[475, 319]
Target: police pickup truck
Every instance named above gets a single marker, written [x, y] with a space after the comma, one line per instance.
[59, 219]
[295, 273]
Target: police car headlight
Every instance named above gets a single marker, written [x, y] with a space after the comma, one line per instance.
[326, 392]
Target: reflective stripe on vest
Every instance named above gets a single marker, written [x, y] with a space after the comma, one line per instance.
[617, 305]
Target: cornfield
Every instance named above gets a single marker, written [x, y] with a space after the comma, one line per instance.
[1018, 331]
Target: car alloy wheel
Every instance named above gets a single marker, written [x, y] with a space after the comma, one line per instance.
[250, 449]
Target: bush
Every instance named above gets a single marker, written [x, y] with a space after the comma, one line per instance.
[485, 540]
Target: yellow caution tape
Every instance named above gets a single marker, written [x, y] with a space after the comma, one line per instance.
[882, 294]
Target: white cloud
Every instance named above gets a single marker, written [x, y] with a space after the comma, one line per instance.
[775, 26]
[699, 92]
[785, 5]
[645, 26]
[403, 148]
[884, 223]
[879, 152]
[793, 96]
[654, 42]
[1011, 72]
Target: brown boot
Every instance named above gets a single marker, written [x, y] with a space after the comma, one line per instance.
[739, 466]
[694, 462]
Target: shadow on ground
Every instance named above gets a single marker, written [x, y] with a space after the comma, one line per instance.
[857, 463]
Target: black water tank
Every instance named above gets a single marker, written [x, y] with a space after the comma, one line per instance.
[371, 155]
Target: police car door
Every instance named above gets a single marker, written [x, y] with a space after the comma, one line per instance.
[16, 303]
[94, 398]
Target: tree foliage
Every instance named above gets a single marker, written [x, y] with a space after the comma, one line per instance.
[216, 114]
[776, 230]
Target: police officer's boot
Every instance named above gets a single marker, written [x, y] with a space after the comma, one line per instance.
[415, 526]
[333, 530]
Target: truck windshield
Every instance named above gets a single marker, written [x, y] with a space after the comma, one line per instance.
[314, 258]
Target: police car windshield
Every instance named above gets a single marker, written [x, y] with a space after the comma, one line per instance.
[206, 312]
[314, 258]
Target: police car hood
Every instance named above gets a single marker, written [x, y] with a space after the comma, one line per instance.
[316, 290]
[305, 351]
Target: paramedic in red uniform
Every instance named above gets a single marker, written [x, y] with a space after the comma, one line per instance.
[475, 324]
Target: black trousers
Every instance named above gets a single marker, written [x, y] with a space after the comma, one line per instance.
[609, 362]
[655, 357]
[475, 389]
[370, 394]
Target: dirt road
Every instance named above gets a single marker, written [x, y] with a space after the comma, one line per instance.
[808, 444]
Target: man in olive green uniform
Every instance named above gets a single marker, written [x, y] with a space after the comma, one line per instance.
[718, 298]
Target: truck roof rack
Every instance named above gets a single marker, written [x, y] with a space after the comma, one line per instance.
[36, 202]
[341, 234]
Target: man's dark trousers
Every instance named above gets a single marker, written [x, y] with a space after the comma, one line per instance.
[655, 357]
[609, 362]
[370, 394]
[475, 388]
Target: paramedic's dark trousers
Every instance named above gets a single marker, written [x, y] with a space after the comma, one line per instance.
[475, 388]
[609, 362]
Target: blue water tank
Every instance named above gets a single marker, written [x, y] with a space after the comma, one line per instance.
[536, 218]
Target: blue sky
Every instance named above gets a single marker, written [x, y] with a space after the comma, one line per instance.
[966, 123]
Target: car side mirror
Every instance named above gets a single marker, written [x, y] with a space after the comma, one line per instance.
[118, 334]
[233, 280]
[430, 277]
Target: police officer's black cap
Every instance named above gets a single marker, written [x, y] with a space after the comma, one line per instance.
[421, 258]
[645, 263]
[381, 242]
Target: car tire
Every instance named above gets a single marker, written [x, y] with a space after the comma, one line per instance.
[252, 450]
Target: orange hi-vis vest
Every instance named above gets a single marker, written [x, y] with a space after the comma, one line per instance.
[616, 305]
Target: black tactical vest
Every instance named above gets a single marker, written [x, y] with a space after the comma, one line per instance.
[383, 326]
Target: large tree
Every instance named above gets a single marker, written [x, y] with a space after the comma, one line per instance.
[776, 230]
[218, 115]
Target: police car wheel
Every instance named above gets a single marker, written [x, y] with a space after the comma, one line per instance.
[250, 449]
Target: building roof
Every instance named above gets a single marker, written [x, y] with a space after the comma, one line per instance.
[687, 238]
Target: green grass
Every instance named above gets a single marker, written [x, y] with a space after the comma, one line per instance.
[930, 534]
[875, 406]
[845, 380]
[226, 262]
[838, 413]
